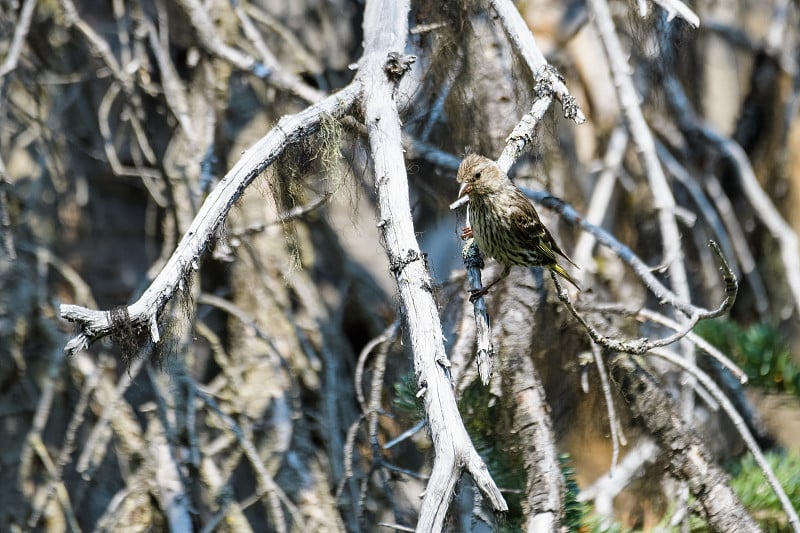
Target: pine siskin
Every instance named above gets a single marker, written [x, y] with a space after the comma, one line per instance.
[505, 224]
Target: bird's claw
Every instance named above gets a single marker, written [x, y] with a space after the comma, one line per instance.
[466, 233]
[474, 294]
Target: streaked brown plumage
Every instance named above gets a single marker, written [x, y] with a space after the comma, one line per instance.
[505, 224]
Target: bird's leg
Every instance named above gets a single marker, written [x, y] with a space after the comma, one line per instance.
[466, 233]
[474, 294]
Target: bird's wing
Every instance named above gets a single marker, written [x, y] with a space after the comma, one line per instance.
[525, 219]
[526, 224]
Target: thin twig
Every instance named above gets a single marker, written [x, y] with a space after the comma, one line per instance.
[278, 75]
[648, 314]
[211, 40]
[287, 216]
[642, 345]
[349, 452]
[734, 226]
[374, 407]
[388, 334]
[407, 434]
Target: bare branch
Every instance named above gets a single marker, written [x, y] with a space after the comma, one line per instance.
[613, 422]
[144, 312]
[522, 39]
[603, 491]
[208, 35]
[647, 314]
[640, 346]
[100, 47]
[385, 30]
[473, 262]
[278, 76]
[674, 8]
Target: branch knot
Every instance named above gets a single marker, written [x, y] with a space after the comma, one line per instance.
[545, 79]
[398, 263]
[570, 107]
[397, 65]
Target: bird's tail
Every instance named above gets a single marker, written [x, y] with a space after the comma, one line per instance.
[564, 274]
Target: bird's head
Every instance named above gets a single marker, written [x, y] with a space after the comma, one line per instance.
[479, 175]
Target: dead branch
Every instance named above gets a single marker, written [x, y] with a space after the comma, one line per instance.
[640, 346]
[385, 29]
[145, 311]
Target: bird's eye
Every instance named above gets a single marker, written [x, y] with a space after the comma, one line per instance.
[478, 174]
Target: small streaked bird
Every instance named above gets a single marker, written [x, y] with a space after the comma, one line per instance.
[505, 224]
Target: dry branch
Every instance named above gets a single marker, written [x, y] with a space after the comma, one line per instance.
[383, 64]
[22, 26]
[145, 311]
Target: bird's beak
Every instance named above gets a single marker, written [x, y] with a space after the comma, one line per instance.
[466, 188]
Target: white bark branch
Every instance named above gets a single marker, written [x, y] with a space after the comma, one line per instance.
[674, 8]
[523, 42]
[95, 323]
[385, 31]
[603, 491]
[23, 24]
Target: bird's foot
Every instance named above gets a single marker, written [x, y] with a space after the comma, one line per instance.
[474, 294]
[466, 233]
